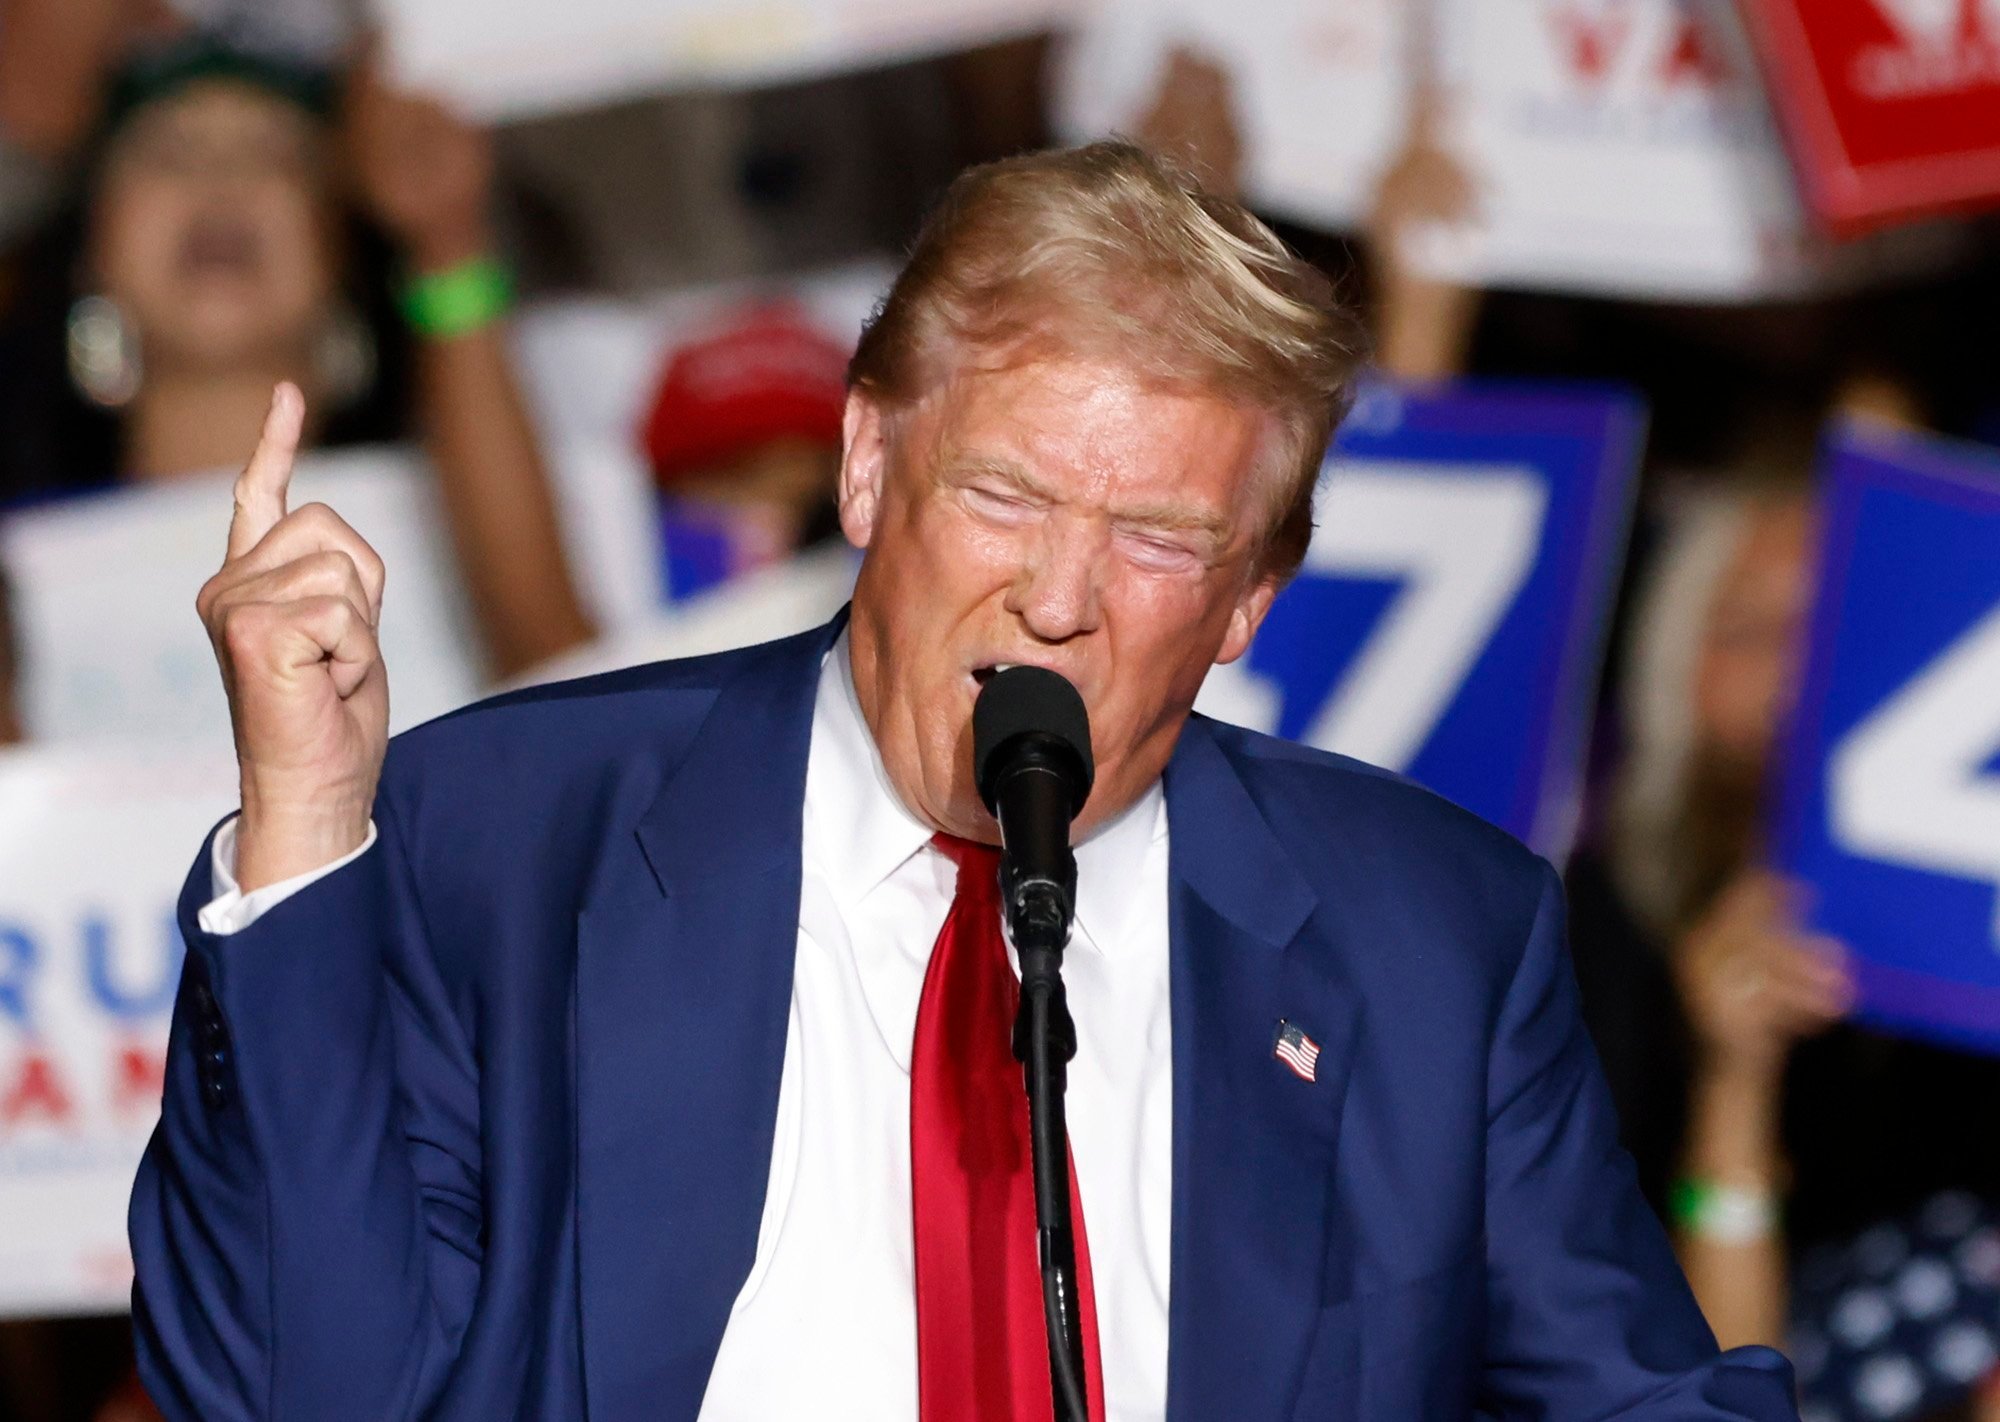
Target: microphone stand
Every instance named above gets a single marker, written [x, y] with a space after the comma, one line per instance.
[1038, 915]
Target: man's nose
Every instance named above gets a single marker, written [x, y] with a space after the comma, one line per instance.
[1056, 592]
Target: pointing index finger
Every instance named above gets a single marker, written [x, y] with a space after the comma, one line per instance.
[260, 488]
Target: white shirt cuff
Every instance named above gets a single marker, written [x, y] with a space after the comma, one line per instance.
[232, 910]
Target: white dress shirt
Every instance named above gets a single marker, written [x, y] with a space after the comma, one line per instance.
[825, 1324]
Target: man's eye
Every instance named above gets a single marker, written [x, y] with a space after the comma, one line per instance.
[997, 503]
[1164, 553]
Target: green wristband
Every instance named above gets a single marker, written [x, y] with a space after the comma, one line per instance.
[458, 300]
[1722, 1214]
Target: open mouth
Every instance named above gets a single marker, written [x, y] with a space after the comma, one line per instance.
[982, 675]
[220, 248]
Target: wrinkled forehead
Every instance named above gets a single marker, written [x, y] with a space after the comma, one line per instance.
[1051, 391]
[1076, 413]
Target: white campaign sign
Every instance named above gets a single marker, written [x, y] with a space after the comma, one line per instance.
[95, 844]
[1461, 540]
[760, 606]
[1621, 147]
[1318, 88]
[1617, 145]
[104, 586]
[1909, 783]
[506, 61]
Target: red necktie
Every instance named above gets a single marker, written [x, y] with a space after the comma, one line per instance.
[982, 1348]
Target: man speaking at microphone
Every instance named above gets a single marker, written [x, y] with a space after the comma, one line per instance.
[638, 1048]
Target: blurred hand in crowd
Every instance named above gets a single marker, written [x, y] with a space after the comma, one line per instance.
[1424, 183]
[1753, 984]
[426, 176]
[423, 173]
[292, 615]
[1423, 325]
[1192, 120]
[54, 60]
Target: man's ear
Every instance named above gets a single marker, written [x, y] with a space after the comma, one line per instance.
[1245, 618]
[864, 467]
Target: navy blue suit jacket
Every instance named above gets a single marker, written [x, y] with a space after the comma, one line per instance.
[478, 1127]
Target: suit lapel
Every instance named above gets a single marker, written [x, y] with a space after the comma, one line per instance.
[684, 979]
[1253, 1231]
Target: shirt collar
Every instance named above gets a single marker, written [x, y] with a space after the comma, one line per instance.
[1114, 869]
[855, 826]
[858, 831]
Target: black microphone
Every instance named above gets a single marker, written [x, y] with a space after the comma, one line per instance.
[1031, 761]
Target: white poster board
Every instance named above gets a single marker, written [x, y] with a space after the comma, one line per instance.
[1620, 147]
[94, 846]
[758, 607]
[512, 61]
[104, 587]
[1617, 147]
[1318, 88]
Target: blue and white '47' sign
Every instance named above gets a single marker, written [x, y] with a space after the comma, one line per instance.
[1891, 805]
[1448, 620]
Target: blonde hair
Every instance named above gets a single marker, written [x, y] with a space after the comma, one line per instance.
[1648, 862]
[1109, 251]
[1656, 841]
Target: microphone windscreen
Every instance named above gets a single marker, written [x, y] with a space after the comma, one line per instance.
[1029, 700]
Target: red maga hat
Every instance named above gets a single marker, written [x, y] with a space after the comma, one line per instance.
[759, 373]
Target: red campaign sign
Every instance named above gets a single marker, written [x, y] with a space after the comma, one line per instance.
[1892, 106]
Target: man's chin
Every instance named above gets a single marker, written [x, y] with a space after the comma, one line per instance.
[964, 816]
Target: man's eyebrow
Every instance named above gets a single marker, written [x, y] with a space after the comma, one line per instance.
[1173, 518]
[1166, 517]
[993, 466]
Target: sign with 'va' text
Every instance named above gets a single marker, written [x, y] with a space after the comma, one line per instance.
[1892, 106]
[1891, 795]
[1448, 620]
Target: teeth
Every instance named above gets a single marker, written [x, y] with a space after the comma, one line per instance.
[999, 667]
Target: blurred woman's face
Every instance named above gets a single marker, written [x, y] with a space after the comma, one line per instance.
[1744, 681]
[213, 229]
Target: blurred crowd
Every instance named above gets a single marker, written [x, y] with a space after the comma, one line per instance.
[200, 200]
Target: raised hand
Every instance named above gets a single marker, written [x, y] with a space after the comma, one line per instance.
[292, 615]
[425, 173]
[1753, 984]
[1193, 120]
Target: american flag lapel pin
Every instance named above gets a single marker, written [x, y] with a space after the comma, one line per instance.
[1297, 1051]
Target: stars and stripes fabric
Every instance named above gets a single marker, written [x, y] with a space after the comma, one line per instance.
[1297, 1051]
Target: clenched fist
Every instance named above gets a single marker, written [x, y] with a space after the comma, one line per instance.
[292, 615]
